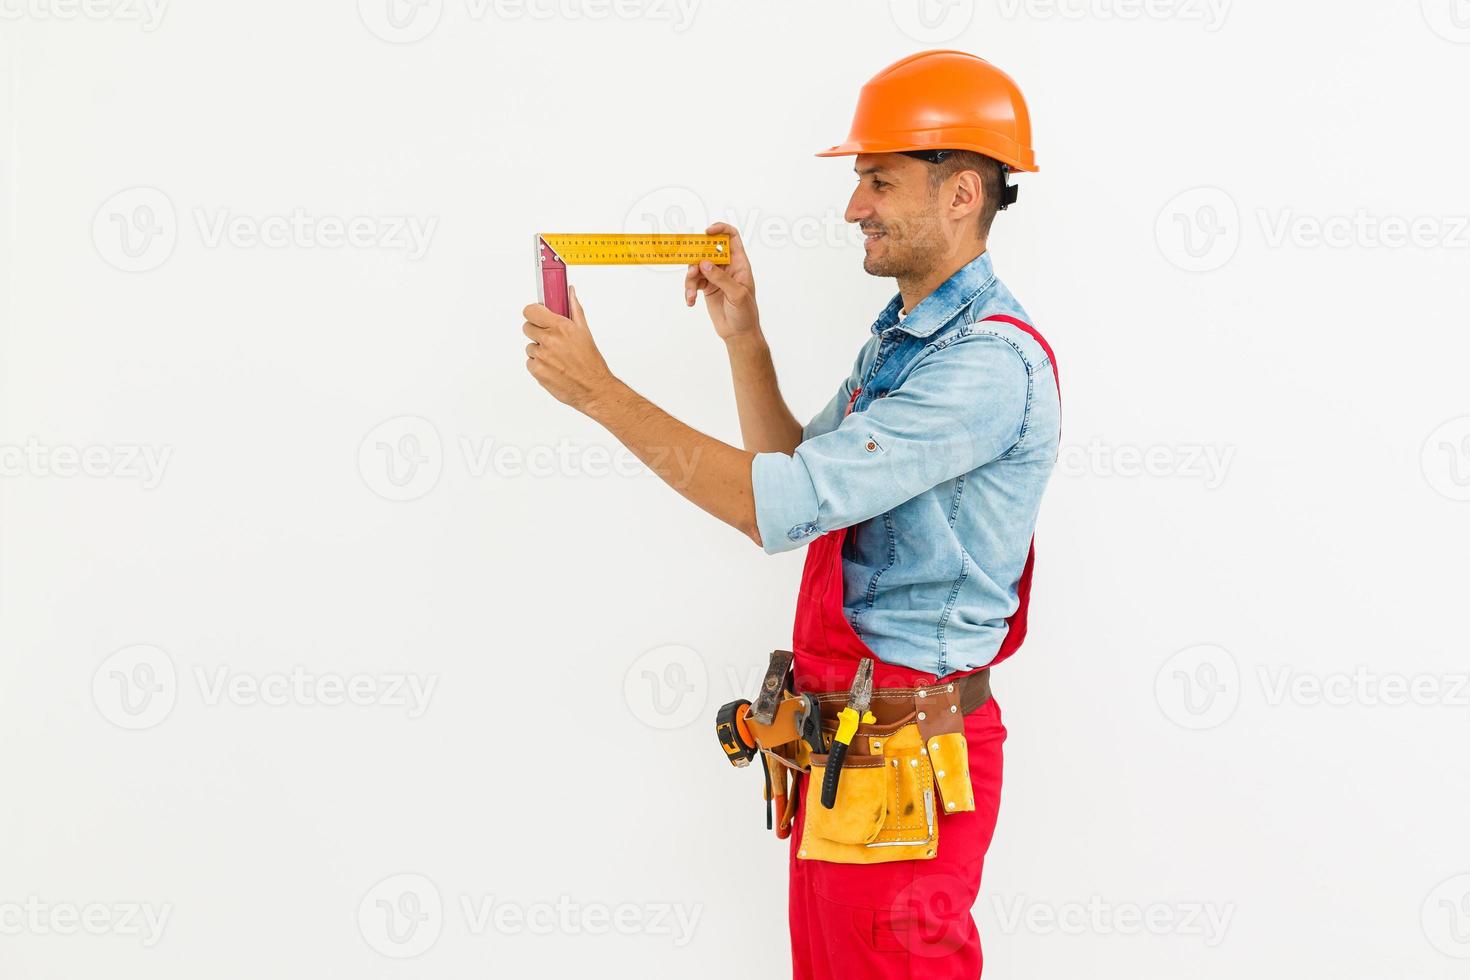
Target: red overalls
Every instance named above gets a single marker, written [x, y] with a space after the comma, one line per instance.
[899, 919]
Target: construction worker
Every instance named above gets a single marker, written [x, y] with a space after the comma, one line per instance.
[915, 490]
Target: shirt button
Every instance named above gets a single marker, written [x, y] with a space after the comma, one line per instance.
[802, 531]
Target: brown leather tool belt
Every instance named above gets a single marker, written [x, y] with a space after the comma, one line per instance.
[949, 702]
[892, 703]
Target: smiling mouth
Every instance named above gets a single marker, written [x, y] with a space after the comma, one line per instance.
[871, 236]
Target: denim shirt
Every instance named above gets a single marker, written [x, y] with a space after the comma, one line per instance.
[938, 471]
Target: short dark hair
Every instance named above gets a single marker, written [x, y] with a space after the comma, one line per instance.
[992, 180]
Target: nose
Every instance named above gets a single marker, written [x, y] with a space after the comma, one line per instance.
[858, 208]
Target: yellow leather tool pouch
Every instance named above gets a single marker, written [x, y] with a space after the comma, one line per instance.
[901, 773]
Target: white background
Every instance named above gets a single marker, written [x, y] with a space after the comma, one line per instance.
[357, 481]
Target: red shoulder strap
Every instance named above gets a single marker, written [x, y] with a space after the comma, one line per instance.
[1016, 624]
[1031, 331]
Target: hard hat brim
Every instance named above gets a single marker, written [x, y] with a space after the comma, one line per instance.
[1010, 156]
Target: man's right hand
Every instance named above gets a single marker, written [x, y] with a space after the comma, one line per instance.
[729, 290]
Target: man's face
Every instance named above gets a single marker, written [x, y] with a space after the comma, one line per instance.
[898, 215]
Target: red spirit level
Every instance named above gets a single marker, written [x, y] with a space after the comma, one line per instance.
[555, 252]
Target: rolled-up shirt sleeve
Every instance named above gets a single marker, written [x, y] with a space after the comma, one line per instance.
[960, 407]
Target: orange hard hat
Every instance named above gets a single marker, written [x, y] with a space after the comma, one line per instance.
[942, 100]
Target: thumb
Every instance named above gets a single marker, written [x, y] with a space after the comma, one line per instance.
[728, 284]
[574, 308]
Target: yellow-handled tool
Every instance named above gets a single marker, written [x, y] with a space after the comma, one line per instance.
[859, 699]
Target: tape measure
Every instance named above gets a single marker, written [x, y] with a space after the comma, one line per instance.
[555, 252]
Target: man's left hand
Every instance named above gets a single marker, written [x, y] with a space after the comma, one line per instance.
[562, 355]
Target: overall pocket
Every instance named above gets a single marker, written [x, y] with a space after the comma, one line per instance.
[885, 808]
[861, 808]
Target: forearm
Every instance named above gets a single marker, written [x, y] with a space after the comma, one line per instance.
[714, 475]
[766, 423]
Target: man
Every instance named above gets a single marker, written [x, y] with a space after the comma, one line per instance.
[915, 490]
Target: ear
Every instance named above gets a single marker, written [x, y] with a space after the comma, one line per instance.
[969, 194]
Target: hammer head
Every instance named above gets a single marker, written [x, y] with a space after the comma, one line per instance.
[773, 686]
